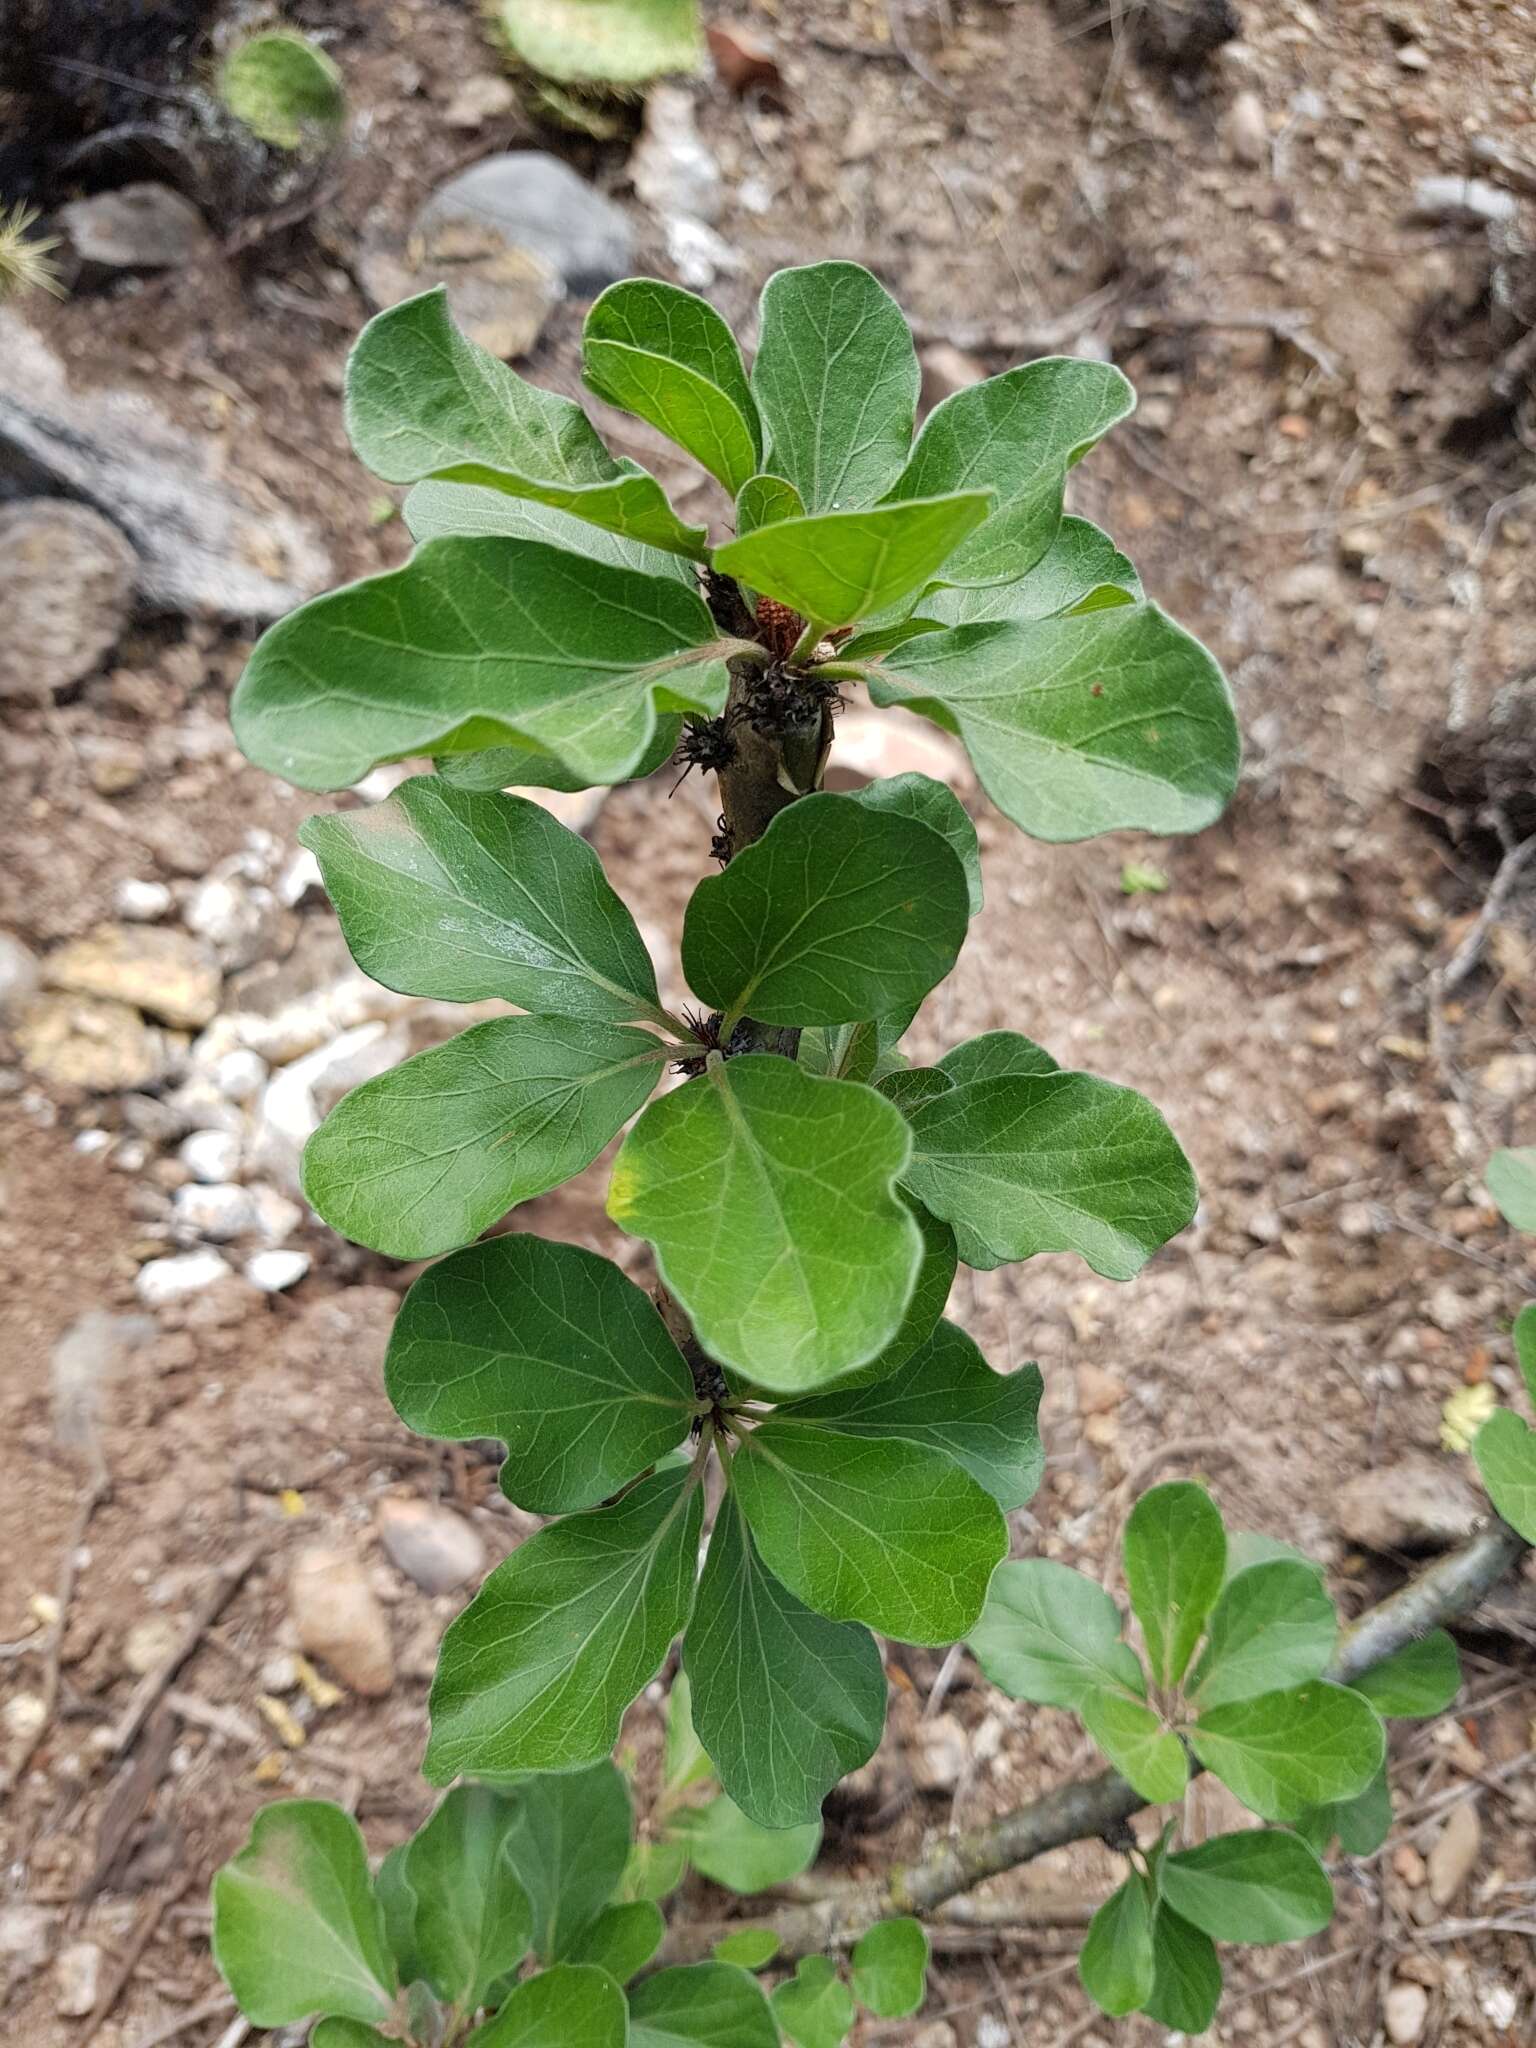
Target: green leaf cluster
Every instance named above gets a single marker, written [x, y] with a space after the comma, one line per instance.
[522, 1912]
[1238, 1638]
[550, 614]
[1504, 1449]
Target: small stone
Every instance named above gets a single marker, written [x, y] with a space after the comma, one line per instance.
[163, 1281]
[159, 970]
[535, 202]
[232, 917]
[276, 1217]
[481, 98]
[24, 1714]
[239, 1074]
[66, 583]
[1510, 1076]
[87, 1042]
[1265, 1226]
[430, 1544]
[1417, 1504]
[672, 169]
[77, 1980]
[1413, 57]
[210, 1156]
[1406, 2008]
[938, 1754]
[937, 2034]
[150, 1642]
[137, 227]
[1098, 1391]
[1455, 1851]
[501, 297]
[115, 768]
[18, 975]
[1308, 583]
[217, 1211]
[1409, 1865]
[26, 1936]
[142, 902]
[1470, 200]
[339, 1620]
[1247, 130]
[275, 1271]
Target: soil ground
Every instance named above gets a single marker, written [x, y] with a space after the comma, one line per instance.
[1319, 484]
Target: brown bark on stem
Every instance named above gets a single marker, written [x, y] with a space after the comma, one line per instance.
[1102, 1805]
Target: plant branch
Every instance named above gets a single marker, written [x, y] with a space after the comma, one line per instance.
[1091, 1807]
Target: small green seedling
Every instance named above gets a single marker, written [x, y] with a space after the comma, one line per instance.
[504, 1923]
[286, 90]
[1238, 1640]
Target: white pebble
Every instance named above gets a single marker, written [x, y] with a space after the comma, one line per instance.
[142, 902]
[92, 1141]
[276, 1217]
[211, 1156]
[239, 1075]
[216, 1209]
[166, 1280]
[274, 1271]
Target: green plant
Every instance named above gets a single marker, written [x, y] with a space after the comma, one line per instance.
[1504, 1448]
[26, 259]
[511, 1917]
[285, 89]
[1256, 1705]
[806, 1193]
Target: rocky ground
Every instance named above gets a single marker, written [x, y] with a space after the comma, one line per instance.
[227, 1565]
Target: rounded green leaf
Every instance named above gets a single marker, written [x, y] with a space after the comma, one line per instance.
[425, 401]
[1079, 563]
[1511, 1180]
[1258, 1885]
[622, 1939]
[1525, 1347]
[837, 913]
[1420, 1679]
[753, 1949]
[1175, 1561]
[1186, 1980]
[993, 1057]
[285, 89]
[839, 567]
[1023, 1163]
[1147, 1755]
[762, 500]
[1273, 1627]
[946, 1395]
[296, 1927]
[335, 2033]
[890, 1968]
[817, 1269]
[537, 1671]
[733, 1850]
[1017, 434]
[473, 1921]
[569, 1848]
[427, 1156]
[551, 1349]
[573, 2005]
[886, 1532]
[605, 42]
[1116, 1964]
[668, 357]
[1052, 1635]
[1286, 1751]
[785, 1701]
[815, 2008]
[655, 1868]
[439, 511]
[933, 804]
[836, 380]
[1361, 1824]
[701, 2005]
[478, 643]
[465, 894]
[1099, 721]
[1505, 1452]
